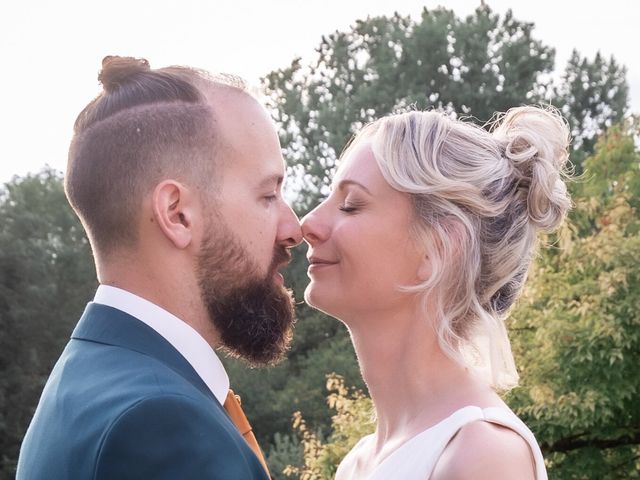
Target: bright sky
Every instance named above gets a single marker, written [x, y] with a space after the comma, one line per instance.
[51, 50]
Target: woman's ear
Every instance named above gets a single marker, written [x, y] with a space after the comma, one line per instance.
[174, 207]
[424, 269]
[451, 243]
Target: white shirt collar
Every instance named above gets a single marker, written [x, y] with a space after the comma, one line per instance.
[182, 336]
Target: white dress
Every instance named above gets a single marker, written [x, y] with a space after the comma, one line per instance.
[417, 457]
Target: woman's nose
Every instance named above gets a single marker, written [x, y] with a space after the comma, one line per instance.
[313, 230]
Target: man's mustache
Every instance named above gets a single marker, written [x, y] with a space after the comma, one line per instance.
[281, 257]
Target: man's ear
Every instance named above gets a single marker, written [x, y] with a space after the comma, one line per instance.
[174, 209]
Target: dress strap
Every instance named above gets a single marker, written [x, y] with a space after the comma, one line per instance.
[506, 418]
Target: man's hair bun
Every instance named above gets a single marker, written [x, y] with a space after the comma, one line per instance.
[117, 71]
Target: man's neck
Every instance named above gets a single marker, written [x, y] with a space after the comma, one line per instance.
[177, 294]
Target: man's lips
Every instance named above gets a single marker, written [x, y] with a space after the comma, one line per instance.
[277, 275]
[278, 278]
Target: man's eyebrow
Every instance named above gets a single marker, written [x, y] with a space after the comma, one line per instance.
[276, 178]
[345, 183]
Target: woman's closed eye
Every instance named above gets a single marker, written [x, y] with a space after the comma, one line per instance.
[350, 206]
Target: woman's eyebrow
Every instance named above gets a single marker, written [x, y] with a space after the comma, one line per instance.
[347, 182]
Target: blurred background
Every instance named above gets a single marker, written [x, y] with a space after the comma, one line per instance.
[325, 69]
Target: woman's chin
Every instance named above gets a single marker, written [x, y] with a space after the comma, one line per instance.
[310, 296]
[314, 298]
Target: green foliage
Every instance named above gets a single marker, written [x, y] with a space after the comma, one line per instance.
[353, 420]
[46, 278]
[286, 450]
[577, 329]
[593, 97]
[612, 169]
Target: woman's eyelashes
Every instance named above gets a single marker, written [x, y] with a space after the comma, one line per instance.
[350, 205]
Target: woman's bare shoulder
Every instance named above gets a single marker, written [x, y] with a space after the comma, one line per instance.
[483, 451]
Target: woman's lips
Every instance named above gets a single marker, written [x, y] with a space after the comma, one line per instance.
[316, 264]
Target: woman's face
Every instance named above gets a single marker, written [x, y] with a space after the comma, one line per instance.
[360, 246]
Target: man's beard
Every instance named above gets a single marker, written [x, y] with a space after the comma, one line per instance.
[253, 315]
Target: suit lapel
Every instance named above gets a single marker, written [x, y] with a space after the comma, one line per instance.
[110, 326]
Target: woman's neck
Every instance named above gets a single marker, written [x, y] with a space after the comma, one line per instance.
[412, 382]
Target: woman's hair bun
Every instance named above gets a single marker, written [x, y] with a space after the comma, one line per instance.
[117, 71]
[536, 142]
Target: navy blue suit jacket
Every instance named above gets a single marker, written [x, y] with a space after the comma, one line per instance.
[122, 403]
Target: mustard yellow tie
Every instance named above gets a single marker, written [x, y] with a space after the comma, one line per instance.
[233, 408]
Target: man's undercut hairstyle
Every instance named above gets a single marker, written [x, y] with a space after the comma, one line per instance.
[145, 126]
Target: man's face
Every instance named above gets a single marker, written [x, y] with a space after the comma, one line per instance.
[249, 229]
[250, 160]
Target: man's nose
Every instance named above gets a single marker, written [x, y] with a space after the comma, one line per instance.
[289, 232]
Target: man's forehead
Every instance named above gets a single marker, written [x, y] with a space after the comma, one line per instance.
[219, 93]
[272, 179]
[249, 139]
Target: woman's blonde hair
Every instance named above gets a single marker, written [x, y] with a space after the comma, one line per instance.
[480, 198]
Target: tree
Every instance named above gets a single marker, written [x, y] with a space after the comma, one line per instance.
[473, 66]
[593, 96]
[577, 329]
[46, 278]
